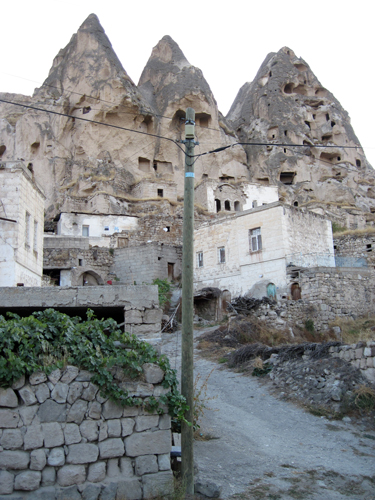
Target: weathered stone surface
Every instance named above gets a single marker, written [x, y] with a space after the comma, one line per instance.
[207, 488]
[103, 431]
[153, 373]
[11, 439]
[84, 376]
[89, 392]
[129, 490]
[34, 437]
[48, 476]
[112, 410]
[143, 422]
[56, 457]
[71, 474]
[146, 464]
[96, 472]
[127, 426]
[75, 392]
[83, 453]
[114, 428]
[6, 482]
[60, 392]
[101, 398]
[28, 413]
[54, 376]
[37, 378]
[38, 460]
[111, 448]
[146, 443]
[165, 422]
[164, 461]
[16, 460]
[77, 411]
[53, 434]
[126, 467]
[50, 411]
[130, 411]
[113, 467]
[72, 434]
[69, 374]
[109, 492]
[152, 316]
[8, 398]
[95, 410]
[28, 480]
[160, 483]
[27, 395]
[18, 383]
[91, 492]
[42, 392]
[9, 419]
[70, 493]
[90, 430]
[138, 389]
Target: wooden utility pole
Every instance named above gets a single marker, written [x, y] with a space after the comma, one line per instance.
[187, 377]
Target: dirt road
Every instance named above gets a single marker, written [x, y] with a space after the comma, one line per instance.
[263, 447]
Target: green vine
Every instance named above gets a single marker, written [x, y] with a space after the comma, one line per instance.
[48, 339]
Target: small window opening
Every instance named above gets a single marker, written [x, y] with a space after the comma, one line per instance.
[295, 203]
[327, 137]
[270, 73]
[204, 176]
[34, 147]
[221, 255]
[339, 158]
[308, 124]
[358, 163]
[369, 248]
[20, 284]
[273, 136]
[236, 206]
[167, 229]
[85, 230]
[287, 177]
[106, 228]
[227, 205]
[333, 124]
[254, 204]
[199, 259]
[314, 116]
[160, 193]
[159, 258]
[86, 110]
[335, 247]
[285, 133]
[2, 150]
[80, 262]
[288, 89]
[155, 166]
[218, 205]
[327, 117]
[30, 167]
[284, 150]
[255, 239]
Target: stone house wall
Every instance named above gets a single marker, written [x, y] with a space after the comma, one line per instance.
[155, 189]
[360, 248]
[61, 439]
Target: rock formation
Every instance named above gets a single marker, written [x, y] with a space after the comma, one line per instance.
[286, 104]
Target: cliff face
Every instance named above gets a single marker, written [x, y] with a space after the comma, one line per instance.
[286, 104]
[74, 157]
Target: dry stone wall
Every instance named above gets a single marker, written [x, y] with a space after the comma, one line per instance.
[61, 439]
[361, 355]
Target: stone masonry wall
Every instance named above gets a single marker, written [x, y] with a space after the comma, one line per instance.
[361, 355]
[356, 246]
[60, 439]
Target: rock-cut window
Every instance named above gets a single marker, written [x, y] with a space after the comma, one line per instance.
[221, 255]
[255, 240]
[199, 259]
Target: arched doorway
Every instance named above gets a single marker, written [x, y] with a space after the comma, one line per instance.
[295, 291]
[271, 291]
[90, 278]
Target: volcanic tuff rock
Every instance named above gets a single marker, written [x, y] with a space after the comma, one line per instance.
[286, 104]
[74, 158]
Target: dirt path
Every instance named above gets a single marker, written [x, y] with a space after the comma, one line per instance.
[268, 448]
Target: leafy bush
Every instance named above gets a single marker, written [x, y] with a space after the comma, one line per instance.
[48, 339]
[164, 288]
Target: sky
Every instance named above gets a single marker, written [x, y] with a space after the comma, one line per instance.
[228, 41]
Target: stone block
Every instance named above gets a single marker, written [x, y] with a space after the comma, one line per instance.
[113, 468]
[126, 467]
[91, 492]
[89, 392]
[146, 464]
[6, 482]
[11, 439]
[83, 453]
[72, 434]
[16, 460]
[55, 376]
[9, 419]
[95, 410]
[45, 493]
[109, 492]
[207, 488]
[56, 457]
[50, 411]
[75, 392]
[133, 317]
[362, 363]
[153, 373]
[165, 422]
[359, 353]
[18, 383]
[127, 426]
[146, 443]
[96, 472]
[147, 330]
[70, 493]
[42, 392]
[152, 316]
[369, 374]
[144, 422]
[77, 411]
[53, 434]
[367, 352]
[138, 389]
[160, 484]
[84, 376]
[37, 378]
[34, 437]
[69, 374]
[27, 395]
[130, 411]
[71, 474]
[111, 448]
[28, 480]
[112, 410]
[160, 391]
[164, 461]
[114, 428]
[129, 490]
[101, 398]
[60, 392]
[8, 398]
[369, 362]
[48, 476]
[38, 460]
[103, 431]
[90, 430]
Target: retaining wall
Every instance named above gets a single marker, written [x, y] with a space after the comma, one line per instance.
[361, 355]
[60, 439]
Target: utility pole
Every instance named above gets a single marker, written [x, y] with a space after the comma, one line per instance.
[187, 377]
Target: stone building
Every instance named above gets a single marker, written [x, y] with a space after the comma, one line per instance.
[251, 251]
[21, 226]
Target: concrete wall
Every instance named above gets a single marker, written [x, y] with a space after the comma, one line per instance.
[61, 439]
[21, 233]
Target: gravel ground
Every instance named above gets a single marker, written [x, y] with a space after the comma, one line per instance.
[264, 447]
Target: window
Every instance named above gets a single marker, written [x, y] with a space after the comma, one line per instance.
[27, 229]
[35, 242]
[227, 205]
[255, 240]
[199, 259]
[221, 255]
[254, 204]
[160, 193]
[85, 230]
